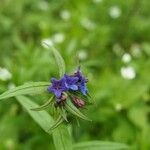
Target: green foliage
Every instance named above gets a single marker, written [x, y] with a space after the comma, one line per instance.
[60, 135]
[42, 117]
[59, 60]
[121, 107]
[45, 105]
[62, 138]
[97, 145]
[26, 89]
[72, 109]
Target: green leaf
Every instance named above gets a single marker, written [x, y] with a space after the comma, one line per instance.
[44, 106]
[56, 124]
[100, 145]
[59, 60]
[63, 113]
[26, 89]
[75, 111]
[42, 118]
[61, 136]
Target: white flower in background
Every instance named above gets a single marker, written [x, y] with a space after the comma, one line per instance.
[117, 49]
[126, 58]
[128, 72]
[65, 15]
[11, 86]
[82, 54]
[58, 38]
[118, 107]
[46, 43]
[114, 12]
[5, 74]
[88, 24]
[43, 5]
[97, 1]
[136, 50]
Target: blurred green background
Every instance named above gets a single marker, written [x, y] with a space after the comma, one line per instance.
[111, 38]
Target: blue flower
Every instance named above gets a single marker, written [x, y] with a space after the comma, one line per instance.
[57, 87]
[80, 76]
[81, 81]
[83, 88]
[71, 82]
[66, 83]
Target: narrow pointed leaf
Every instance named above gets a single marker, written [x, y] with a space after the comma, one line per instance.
[59, 60]
[44, 106]
[56, 124]
[26, 89]
[61, 136]
[42, 118]
[72, 109]
[77, 120]
[79, 94]
[63, 113]
[100, 145]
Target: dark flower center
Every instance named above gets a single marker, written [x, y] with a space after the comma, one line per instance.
[58, 86]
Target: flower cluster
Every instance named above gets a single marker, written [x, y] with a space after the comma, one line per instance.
[68, 85]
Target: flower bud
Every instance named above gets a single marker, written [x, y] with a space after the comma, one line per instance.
[63, 97]
[78, 102]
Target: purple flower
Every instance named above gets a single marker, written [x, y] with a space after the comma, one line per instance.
[71, 82]
[83, 88]
[66, 83]
[57, 87]
[80, 76]
[81, 82]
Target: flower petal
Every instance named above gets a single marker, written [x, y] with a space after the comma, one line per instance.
[83, 89]
[58, 93]
[74, 87]
[50, 89]
[75, 79]
[53, 80]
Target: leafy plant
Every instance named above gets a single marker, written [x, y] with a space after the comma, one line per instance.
[61, 135]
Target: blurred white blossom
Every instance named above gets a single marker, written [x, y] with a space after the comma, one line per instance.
[65, 15]
[58, 38]
[97, 1]
[88, 24]
[82, 54]
[114, 12]
[43, 5]
[126, 58]
[136, 50]
[47, 42]
[5, 74]
[128, 72]
[117, 49]
[11, 86]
